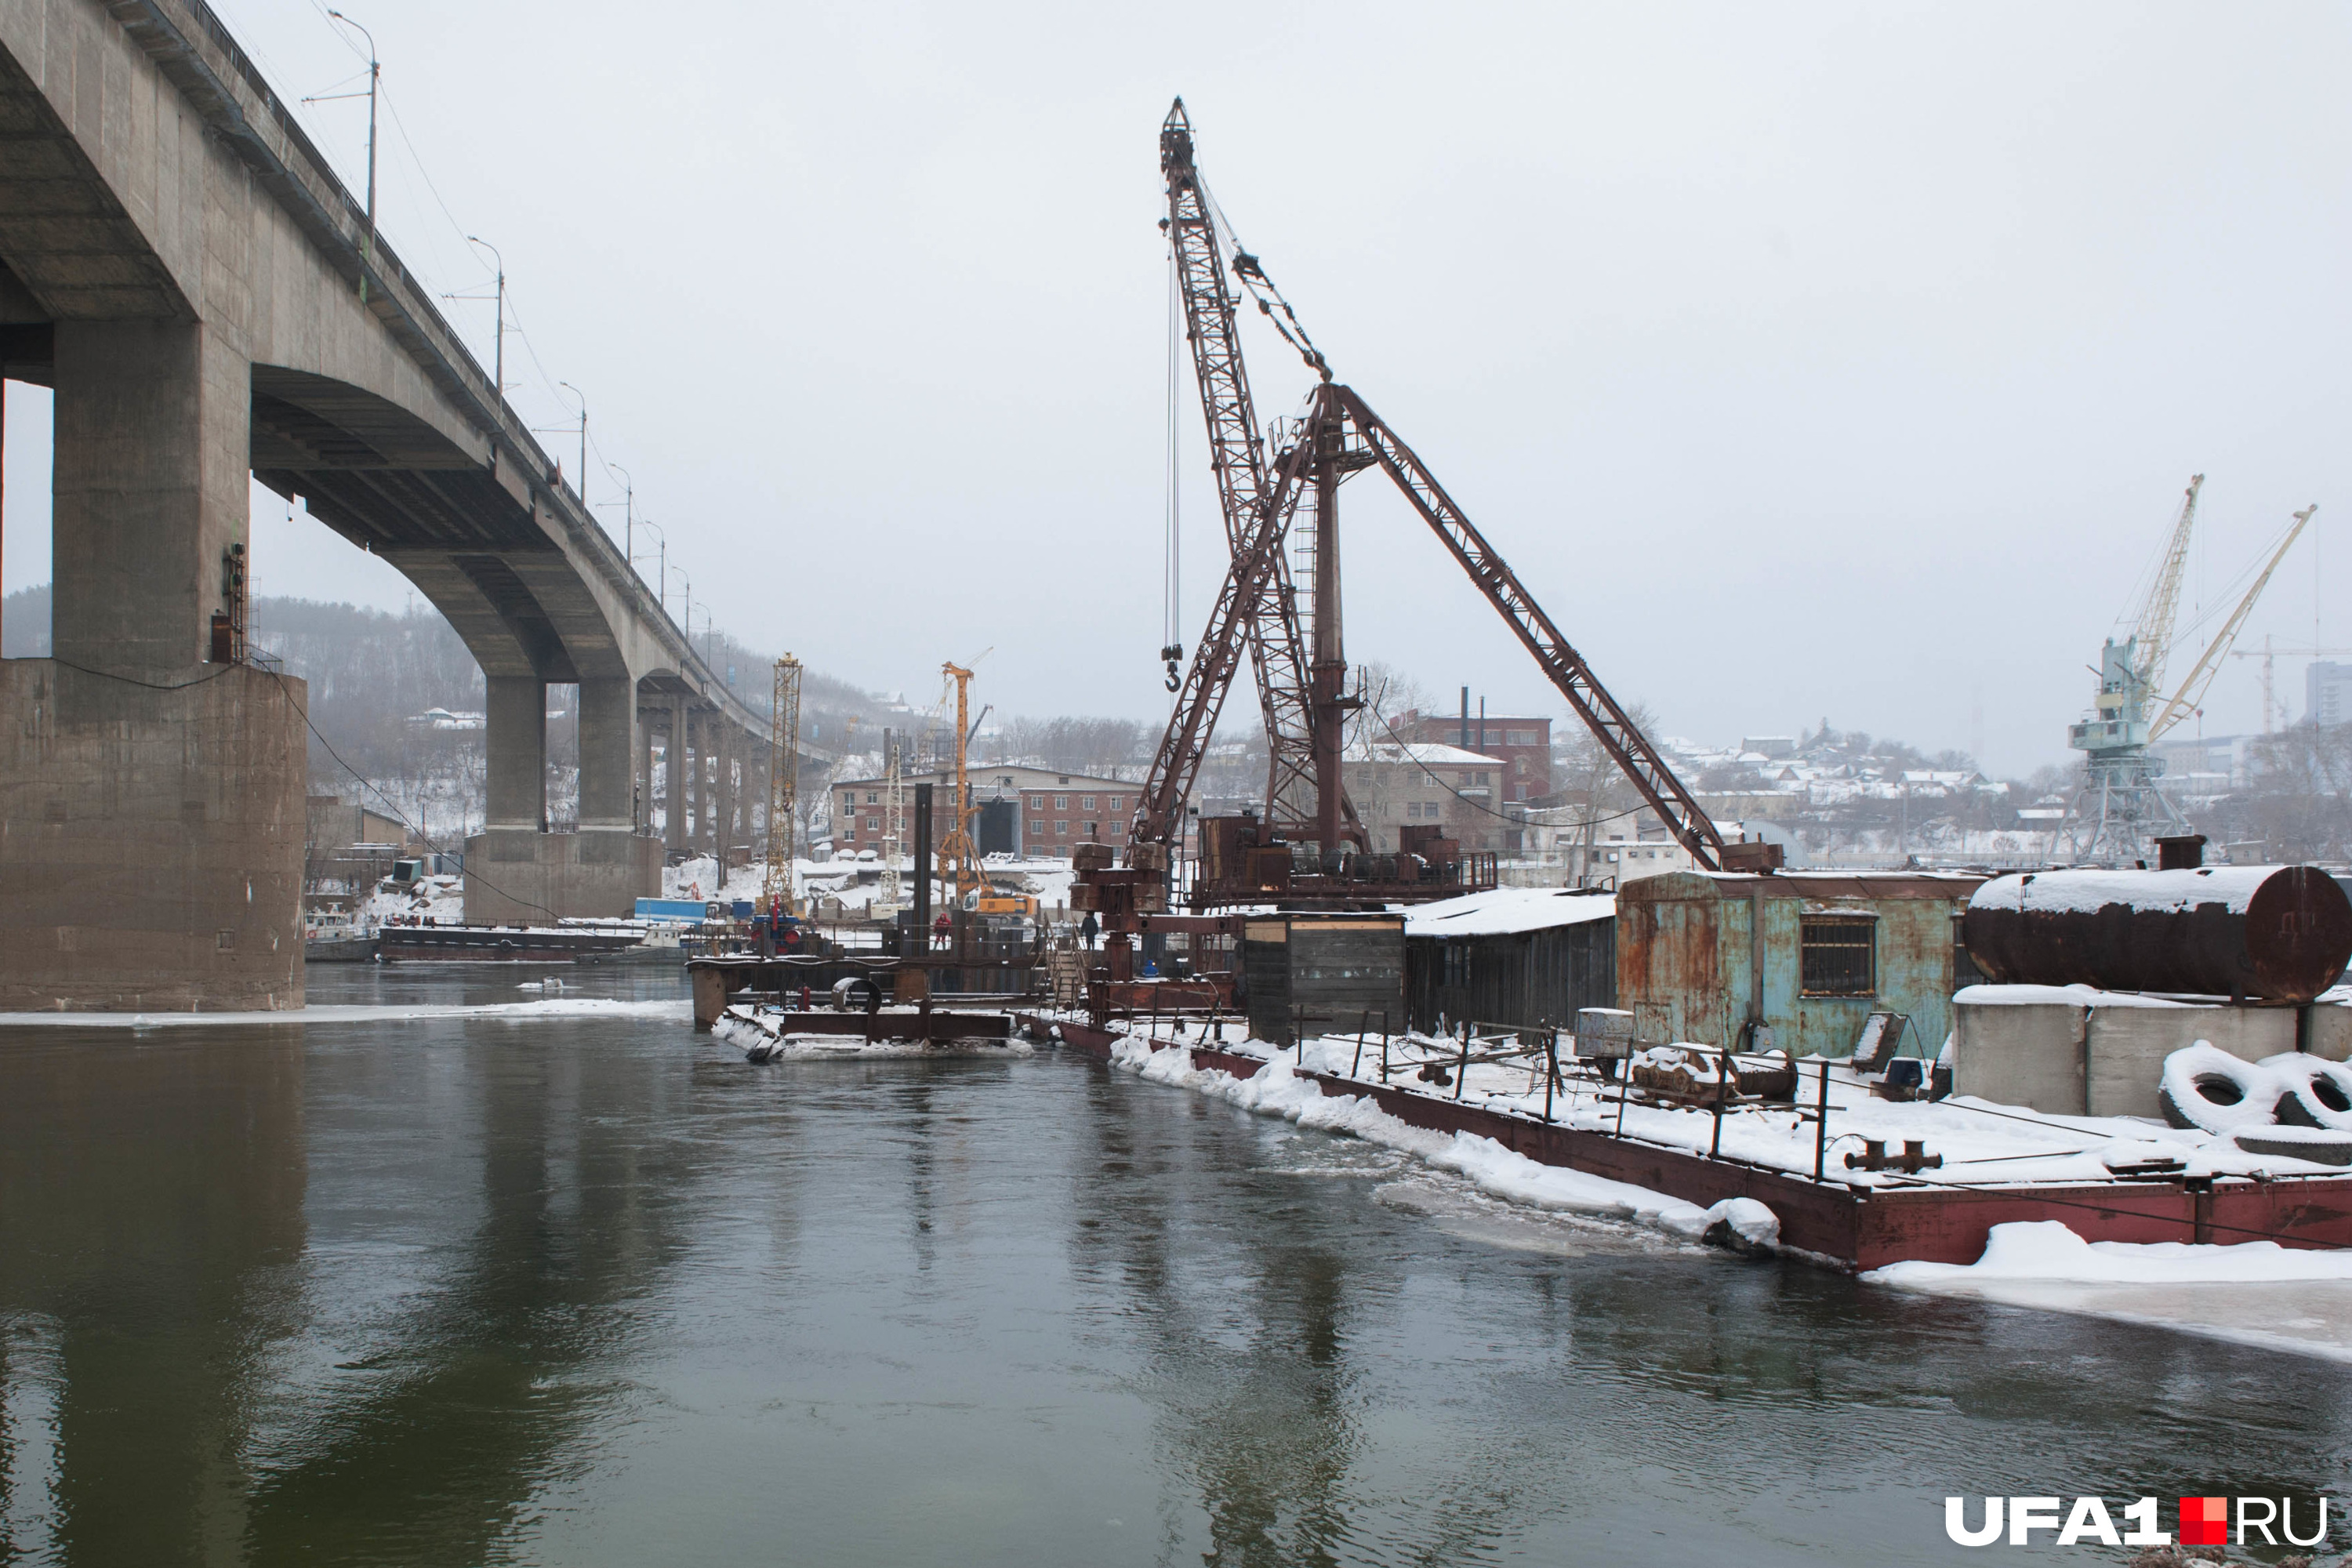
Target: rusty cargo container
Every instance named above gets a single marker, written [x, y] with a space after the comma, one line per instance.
[1812, 953]
[2272, 933]
[1325, 973]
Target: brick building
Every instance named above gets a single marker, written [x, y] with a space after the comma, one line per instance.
[1429, 782]
[1523, 746]
[1029, 812]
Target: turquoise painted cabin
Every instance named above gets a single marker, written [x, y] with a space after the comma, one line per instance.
[1833, 948]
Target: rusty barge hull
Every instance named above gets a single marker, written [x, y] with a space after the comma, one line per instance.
[1857, 1228]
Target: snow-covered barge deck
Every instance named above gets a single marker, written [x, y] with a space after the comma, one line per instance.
[1858, 1225]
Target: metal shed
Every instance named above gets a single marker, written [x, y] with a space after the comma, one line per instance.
[1528, 956]
[1813, 954]
[1329, 971]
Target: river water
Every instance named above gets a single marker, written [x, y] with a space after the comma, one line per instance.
[560, 1287]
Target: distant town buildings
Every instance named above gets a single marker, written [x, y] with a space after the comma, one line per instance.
[1520, 746]
[2328, 692]
[1029, 812]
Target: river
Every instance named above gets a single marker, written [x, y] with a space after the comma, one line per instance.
[574, 1287]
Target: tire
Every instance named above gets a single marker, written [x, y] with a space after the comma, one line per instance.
[2321, 1146]
[2209, 1090]
[2319, 1093]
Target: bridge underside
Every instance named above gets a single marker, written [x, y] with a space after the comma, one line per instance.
[179, 264]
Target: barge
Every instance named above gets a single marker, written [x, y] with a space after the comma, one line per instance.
[1854, 1225]
[501, 945]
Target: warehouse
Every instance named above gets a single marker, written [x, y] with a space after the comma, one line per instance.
[1527, 956]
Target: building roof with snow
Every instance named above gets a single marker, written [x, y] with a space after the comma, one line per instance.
[1507, 911]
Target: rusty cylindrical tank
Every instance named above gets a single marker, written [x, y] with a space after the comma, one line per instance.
[2275, 934]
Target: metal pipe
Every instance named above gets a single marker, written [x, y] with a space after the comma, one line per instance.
[1822, 1132]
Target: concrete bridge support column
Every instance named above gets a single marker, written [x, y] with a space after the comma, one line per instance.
[690, 816]
[152, 817]
[153, 435]
[722, 821]
[516, 739]
[674, 765]
[517, 873]
[641, 816]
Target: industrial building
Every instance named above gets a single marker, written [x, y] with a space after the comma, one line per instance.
[1422, 782]
[1029, 812]
[1811, 954]
[1521, 745]
[1523, 956]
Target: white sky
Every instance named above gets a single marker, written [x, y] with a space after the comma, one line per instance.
[1806, 361]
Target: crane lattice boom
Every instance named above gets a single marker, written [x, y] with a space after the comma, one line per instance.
[2156, 615]
[2192, 687]
[1269, 618]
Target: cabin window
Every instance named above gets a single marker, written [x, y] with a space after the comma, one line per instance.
[1457, 964]
[1838, 956]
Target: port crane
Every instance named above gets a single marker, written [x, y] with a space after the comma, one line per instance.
[2119, 806]
[1339, 434]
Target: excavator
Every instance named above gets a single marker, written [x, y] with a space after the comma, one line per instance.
[1311, 848]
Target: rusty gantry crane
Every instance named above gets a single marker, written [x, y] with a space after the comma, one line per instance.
[1303, 691]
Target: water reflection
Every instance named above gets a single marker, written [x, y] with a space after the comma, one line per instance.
[151, 1225]
[465, 1291]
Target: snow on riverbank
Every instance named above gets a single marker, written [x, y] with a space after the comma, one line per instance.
[549, 1010]
[1276, 1089]
[2257, 1292]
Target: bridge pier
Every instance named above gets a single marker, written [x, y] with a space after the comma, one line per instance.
[674, 763]
[152, 815]
[152, 435]
[519, 873]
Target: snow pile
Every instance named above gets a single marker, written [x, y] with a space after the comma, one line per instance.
[2066, 995]
[2049, 1250]
[2255, 1292]
[1278, 1089]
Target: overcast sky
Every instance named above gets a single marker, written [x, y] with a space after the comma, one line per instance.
[1806, 362]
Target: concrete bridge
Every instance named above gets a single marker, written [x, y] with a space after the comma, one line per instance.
[178, 262]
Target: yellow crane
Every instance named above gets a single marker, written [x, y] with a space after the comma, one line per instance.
[784, 787]
[959, 859]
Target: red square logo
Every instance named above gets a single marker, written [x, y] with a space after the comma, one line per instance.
[2204, 1521]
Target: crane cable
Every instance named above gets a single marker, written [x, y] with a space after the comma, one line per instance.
[1252, 273]
[1171, 634]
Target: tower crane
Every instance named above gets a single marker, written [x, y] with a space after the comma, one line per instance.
[1338, 436]
[2268, 653]
[959, 860]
